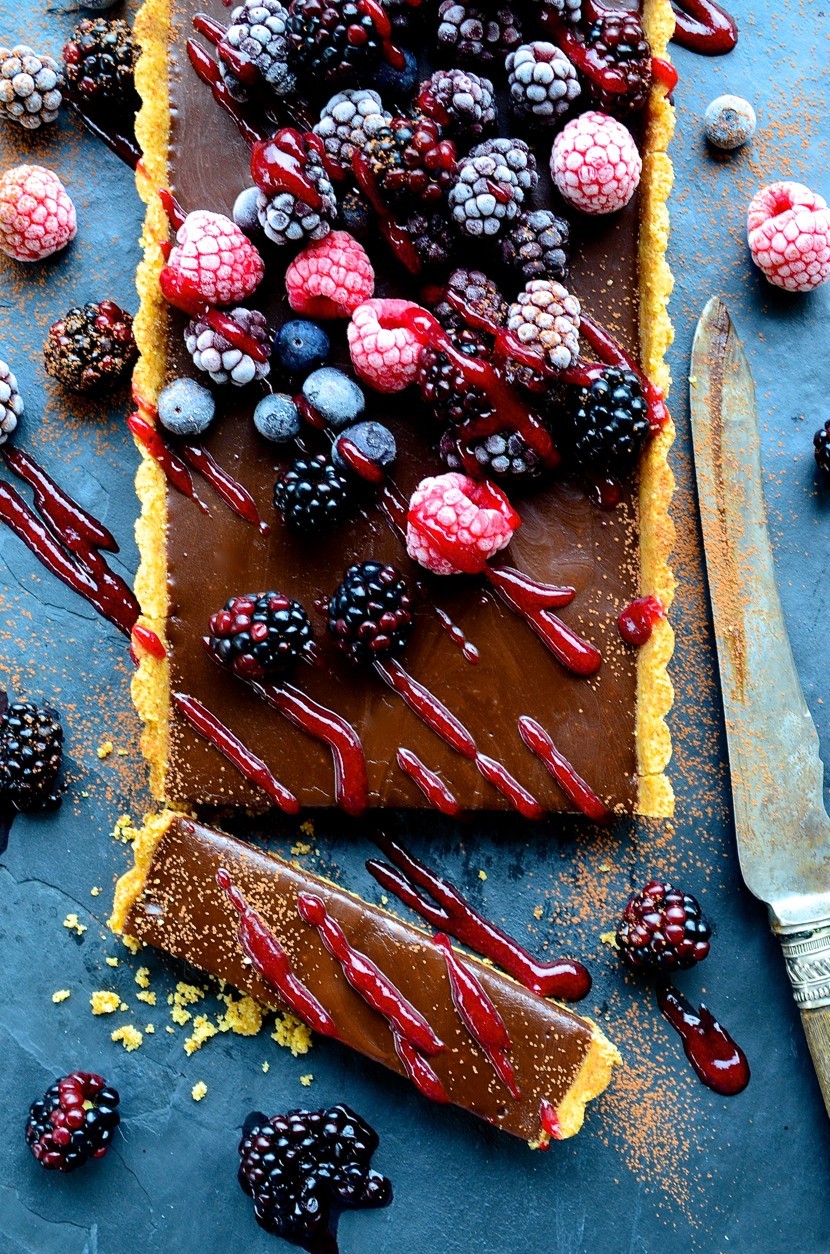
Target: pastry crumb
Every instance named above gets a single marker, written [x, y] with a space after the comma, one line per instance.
[128, 1036]
[95, 891]
[122, 753]
[605, 868]
[73, 924]
[384, 899]
[111, 962]
[305, 1080]
[203, 1030]
[292, 1034]
[132, 943]
[266, 1067]
[198, 1091]
[147, 995]
[244, 1017]
[537, 912]
[124, 829]
[482, 875]
[142, 977]
[300, 848]
[610, 939]
[104, 1003]
[105, 749]
[61, 994]
[307, 828]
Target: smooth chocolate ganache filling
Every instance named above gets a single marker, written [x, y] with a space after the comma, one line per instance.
[564, 539]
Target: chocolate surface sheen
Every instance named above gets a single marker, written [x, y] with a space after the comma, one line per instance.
[564, 539]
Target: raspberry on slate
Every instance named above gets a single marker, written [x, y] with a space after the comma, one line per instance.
[31, 751]
[606, 429]
[100, 64]
[383, 353]
[304, 1168]
[213, 263]
[455, 524]
[11, 402]
[31, 87]
[460, 101]
[312, 495]
[330, 278]
[543, 83]
[259, 31]
[221, 360]
[545, 317]
[620, 42]
[91, 348]
[260, 635]
[536, 244]
[595, 163]
[73, 1122]
[477, 34]
[788, 229]
[370, 614]
[662, 929]
[37, 216]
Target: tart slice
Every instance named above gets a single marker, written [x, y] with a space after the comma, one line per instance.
[500, 680]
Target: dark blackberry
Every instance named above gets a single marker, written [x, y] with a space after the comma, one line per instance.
[312, 494]
[461, 101]
[304, 1168]
[92, 348]
[355, 214]
[606, 429]
[445, 389]
[260, 635]
[431, 236]
[370, 614]
[491, 185]
[620, 41]
[503, 455]
[480, 295]
[333, 40]
[542, 81]
[477, 34]
[258, 30]
[100, 64]
[411, 161]
[73, 1122]
[536, 245]
[821, 448]
[662, 929]
[31, 750]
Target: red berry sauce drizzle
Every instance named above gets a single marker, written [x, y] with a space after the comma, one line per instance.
[147, 639]
[67, 540]
[431, 785]
[534, 601]
[231, 747]
[358, 462]
[704, 27]
[572, 784]
[469, 652]
[414, 883]
[717, 1060]
[551, 1126]
[637, 620]
[394, 234]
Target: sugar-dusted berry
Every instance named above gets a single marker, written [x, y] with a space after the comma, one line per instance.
[788, 229]
[37, 216]
[455, 524]
[595, 163]
[383, 352]
[213, 263]
[330, 278]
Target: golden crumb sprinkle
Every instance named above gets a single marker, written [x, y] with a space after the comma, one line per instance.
[105, 749]
[305, 1080]
[132, 943]
[147, 995]
[124, 829]
[291, 1033]
[128, 1036]
[142, 977]
[104, 1003]
[60, 995]
[203, 1030]
[266, 1067]
[150, 1029]
[307, 828]
[95, 891]
[605, 868]
[122, 753]
[300, 848]
[537, 912]
[610, 939]
[244, 1017]
[74, 925]
[198, 1091]
[179, 1015]
[111, 962]
[482, 875]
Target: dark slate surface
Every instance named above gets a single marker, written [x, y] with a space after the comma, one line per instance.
[662, 1163]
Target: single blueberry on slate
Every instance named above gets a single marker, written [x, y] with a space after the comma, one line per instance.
[277, 418]
[373, 439]
[245, 210]
[301, 345]
[729, 122]
[186, 408]
[337, 398]
[391, 82]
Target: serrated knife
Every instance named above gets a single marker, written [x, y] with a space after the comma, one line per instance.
[782, 828]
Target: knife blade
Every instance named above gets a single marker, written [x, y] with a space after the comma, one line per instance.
[782, 828]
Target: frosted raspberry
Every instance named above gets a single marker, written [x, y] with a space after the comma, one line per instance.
[788, 228]
[330, 278]
[455, 524]
[384, 353]
[595, 163]
[37, 217]
[213, 263]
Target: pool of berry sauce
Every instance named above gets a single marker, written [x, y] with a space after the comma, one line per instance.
[565, 539]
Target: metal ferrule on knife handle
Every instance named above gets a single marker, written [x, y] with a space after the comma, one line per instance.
[807, 955]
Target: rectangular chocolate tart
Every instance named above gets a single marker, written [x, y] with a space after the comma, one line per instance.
[172, 900]
[610, 727]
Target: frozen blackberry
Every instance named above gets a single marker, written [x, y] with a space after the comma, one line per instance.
[349, 121]
[31, 87]
[31, 751]
[605, 431]
[260, 635]
[370, 614]
[480, 295]
[503, 455]
[516, 155]
[662, 929]
[312, 495]
[569, 10]
[492, 183]
[74, 1121]
[333, 40]
[287, 219]
[543, 83]
[100, 64]
[304, 1168]
[477, 34]
[620, 42]
[445, 388]
[11, 402]
[258, 30]
[431, 237]
[411, 161]
[821, 442]
[536, 245]
[92, 348]
[545, 317]
[217, 357]
[462, 102]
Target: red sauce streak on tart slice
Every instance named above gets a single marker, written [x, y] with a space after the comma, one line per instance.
[572, 784]
[478, 1014]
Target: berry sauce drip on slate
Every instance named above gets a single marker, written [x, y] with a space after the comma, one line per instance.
[414, 883]
[638, 620]
[478, 1014]
[231, 747]
[704, 27]
[718, 1061]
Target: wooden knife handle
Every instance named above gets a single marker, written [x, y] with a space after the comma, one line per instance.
[817, 1030]
[807, 955]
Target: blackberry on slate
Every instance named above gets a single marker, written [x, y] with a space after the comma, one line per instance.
[411, 160]
[312, 494]
[370, 614]
[92, 348]
[821, 447]
[31, 87]
[11, 402]
[477, 34]
[260, 635]
[73, 1122]
[31, 751]
[462, 101]
[607, 428]
[503, 455]
[259, 30]
[620, 41]
[305, 1167]
[333, 40]
[100, 63]
[536, 245]
[662, 929]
